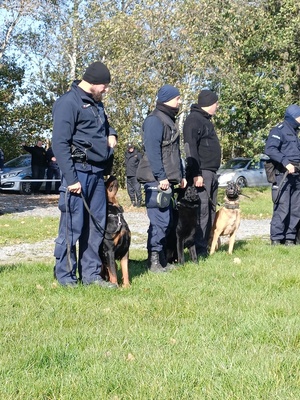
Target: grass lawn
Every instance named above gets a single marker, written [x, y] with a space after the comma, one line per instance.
[227, 328]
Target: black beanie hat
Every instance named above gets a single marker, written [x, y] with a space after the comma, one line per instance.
[97, 73]
[207, 98]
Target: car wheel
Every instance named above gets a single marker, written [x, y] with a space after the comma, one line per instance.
[241, 181]
[25, 187]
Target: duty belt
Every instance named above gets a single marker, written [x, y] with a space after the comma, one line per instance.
[79, 160]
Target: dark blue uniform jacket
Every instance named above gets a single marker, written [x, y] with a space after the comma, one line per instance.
[80, 121]
[283, 144]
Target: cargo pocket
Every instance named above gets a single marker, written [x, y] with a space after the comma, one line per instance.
[151, 198]
[59, 248]
[67, 201]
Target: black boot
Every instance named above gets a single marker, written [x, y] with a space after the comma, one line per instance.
[164, 262]
[154, 263]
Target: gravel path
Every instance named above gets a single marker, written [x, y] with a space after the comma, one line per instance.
[21, 206]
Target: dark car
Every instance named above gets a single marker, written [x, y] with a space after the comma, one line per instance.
[246, 172]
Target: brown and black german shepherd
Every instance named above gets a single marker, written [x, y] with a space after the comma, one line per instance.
[116, 242]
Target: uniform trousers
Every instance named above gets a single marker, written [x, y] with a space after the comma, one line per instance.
[160, 220]
[38, 172]
[206, 211]
[78, 225]
[134, 189]
[286, 208]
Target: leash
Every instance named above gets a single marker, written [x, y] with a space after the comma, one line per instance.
[67, 232]
[242, 194]
[214, 206]
[280, 186]
[100, 229]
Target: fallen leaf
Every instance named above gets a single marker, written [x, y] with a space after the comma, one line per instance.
[130, 357]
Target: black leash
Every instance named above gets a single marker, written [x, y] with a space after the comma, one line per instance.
[67, 232]
[214, 206]
[100, 229]
[280, 186]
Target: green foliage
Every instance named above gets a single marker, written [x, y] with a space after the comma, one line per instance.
[11, 77]
[27, 229]
[247, 51]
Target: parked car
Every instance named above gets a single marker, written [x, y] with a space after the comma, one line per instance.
[15, 173]
[246, 172]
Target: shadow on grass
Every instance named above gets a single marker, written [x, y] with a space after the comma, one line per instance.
[238, 245]
[8, 267]
[136, 268]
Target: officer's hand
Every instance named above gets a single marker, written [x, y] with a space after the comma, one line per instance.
[76, 188]
[112, 141]
[291, 168]
[183, 183]
[198, 181]
[164, 185]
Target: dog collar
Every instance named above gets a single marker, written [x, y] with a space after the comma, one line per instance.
[231, 206]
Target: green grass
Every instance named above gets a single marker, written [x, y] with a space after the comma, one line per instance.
[255, 203]
[227, 328]
[217, 330]
[26, 229]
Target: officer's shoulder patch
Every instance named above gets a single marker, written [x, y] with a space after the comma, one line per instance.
[276, 137]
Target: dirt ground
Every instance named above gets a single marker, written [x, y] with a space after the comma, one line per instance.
[11, 202]
[17, 205]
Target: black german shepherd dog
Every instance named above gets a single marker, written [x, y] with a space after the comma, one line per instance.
[183, 227]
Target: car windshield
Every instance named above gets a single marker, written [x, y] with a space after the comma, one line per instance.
[18, 162]
[235, 164]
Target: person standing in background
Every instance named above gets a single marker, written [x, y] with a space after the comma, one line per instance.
[38, 164]
[132, 159]
[1, 159]
[203, 157]
[53, 171]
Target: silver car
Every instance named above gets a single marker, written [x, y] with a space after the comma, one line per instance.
[246, 172]
[14, 174]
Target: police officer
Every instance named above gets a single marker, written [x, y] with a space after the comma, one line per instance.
[283, 148]
[132, 159]
[203, 153]
[53, 171]
[82, 144]
[159, 169]
[38, 163]
[1, 159]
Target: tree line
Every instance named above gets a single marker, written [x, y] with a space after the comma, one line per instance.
[246, 51]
